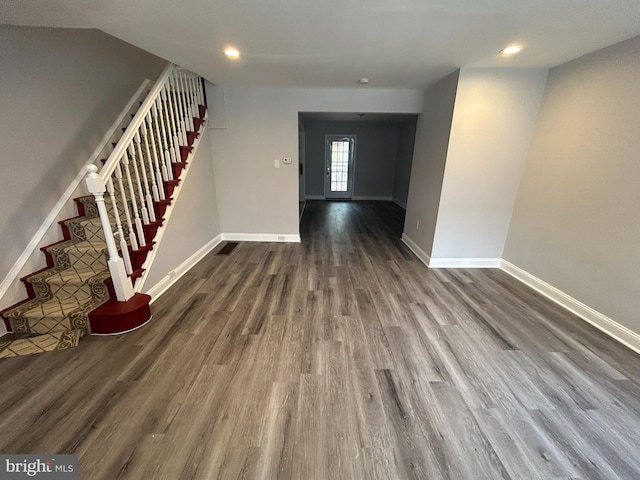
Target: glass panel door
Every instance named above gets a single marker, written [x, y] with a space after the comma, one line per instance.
[339, 155]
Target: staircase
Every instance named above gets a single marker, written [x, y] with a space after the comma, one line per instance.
[92, 279]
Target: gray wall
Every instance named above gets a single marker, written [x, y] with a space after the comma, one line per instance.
[404, 158]
[376, 151]
[194, 220]
[262, 125]
[60, 91]
[429, 157]
[576, 220]
[493, 119]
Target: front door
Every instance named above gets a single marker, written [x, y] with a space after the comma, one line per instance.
[340, 153]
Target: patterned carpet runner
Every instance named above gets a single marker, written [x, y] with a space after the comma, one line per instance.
[12, 344]
[63, 294]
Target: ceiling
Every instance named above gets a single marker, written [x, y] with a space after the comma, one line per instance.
[332, 43]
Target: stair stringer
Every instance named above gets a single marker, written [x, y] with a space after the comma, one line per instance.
[140, 282]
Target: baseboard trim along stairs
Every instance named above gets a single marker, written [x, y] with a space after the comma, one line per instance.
[77, 294]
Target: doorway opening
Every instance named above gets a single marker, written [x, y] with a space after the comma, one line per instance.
[361, 158]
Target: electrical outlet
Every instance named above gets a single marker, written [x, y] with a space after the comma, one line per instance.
[276, 163]
[286, 160]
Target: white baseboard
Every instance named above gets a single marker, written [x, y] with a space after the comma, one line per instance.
[413, 246]
[399, 203]
[48, 222]
[174, 275]
[355, 197]
[609, 326]
[464, 263]
[374, 198]
[261, 237]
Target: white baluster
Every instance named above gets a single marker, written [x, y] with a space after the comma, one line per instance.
[188, 99]
[158, 157]
[200, 91]
[124, 248]
[136, 215]
[196, 93]
[157, 152]
[173, 111]
[187, 91]
[121, 282]
[162, 119]
[178, 110]
[163, 157]
[154, 171]
[192, 87]
[145, 199]
[138, 185]
[171, 137]
[132, 236]
[183, 102]
[196, 100]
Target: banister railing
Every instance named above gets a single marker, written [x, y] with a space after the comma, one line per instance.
[133, 179]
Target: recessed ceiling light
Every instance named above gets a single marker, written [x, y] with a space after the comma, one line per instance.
[363, 81]
[232, 52]
[510, 50]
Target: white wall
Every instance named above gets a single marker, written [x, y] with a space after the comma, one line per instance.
[429, 157]
[493, 119]
[261, 126]
[576, 220]
[404, 158]
[375, 160]
[194, 221]
[60, 91]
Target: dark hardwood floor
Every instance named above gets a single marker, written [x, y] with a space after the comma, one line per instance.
[342, 357]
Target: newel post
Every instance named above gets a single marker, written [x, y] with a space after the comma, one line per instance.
[121, 282]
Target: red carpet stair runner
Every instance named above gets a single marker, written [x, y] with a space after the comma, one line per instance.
[76, 285]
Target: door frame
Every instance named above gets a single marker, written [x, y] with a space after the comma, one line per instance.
[348, 195]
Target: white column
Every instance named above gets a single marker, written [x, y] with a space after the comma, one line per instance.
[124, 248]
[121, 282]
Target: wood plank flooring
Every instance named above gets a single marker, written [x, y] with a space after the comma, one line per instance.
[342, 357]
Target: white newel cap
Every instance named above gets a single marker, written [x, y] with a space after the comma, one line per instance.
[95, 183]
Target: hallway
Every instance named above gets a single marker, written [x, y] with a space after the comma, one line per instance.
[342, 357]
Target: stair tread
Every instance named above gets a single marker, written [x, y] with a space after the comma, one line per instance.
[85, 220]
[49, 313]
[72, 274]
[84, 246]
